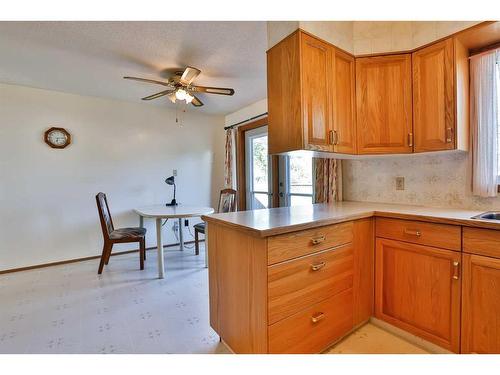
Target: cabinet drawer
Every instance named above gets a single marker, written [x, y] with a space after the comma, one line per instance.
[430, 234]
[315, 328]
[299, 283]
[482, 241]
[293, 245]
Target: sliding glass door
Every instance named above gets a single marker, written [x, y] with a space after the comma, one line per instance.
[296, 180]
[258, 172]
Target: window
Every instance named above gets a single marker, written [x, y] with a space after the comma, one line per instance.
[258, 174]
[296, 181]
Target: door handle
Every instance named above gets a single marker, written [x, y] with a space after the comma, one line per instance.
[449, 135]
[317, 317]
[318, 266]
[415, 233]
[318, 240]
[456, 270]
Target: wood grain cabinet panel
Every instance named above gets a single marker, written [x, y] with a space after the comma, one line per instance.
[299, 283]
[315, 328]
[481, 305]
[438, 235]
[434, 97]
[418, 290]
[284, 96]
[344, 103]
[293, 245]
[384, 104]
[481, 241]
[317, 81]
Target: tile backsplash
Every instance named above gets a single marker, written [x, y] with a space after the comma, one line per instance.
[437, 180]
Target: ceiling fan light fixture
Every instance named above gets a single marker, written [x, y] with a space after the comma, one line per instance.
[182, 94]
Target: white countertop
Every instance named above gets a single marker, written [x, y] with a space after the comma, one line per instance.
[266, 222]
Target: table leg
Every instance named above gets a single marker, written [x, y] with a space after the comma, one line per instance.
[181, 237]
[161, 269]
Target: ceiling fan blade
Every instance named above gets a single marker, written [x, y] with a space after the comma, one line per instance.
[172, 97]
[196, 102]
[149, 81]
[189, 75]
[213, 90]
[158, 95]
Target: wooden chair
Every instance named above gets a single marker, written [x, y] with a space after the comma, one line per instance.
[227, 203]
[112, 235]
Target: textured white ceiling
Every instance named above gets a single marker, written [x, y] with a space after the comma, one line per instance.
[90, 58]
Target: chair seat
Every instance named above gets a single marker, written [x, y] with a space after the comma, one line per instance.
[127, 233]
[200, 227]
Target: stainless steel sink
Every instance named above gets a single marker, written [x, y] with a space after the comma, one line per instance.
[490, 215]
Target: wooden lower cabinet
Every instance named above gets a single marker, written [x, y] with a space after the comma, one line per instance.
[417, 288]
[315, 328]
[480, 304]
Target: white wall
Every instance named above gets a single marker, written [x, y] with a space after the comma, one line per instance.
[389, 36]
[47, 196]
[247, 112]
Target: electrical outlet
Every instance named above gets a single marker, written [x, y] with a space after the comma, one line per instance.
[175, 227]
[186, 222]
[174, 173]
[400, 183]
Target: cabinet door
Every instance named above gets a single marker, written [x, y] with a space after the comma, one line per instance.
[344, 103]
[316, 68]
[418, 290]
[481, 305]
[433, 97]
[384, 105]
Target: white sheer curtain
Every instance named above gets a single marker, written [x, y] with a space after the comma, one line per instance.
[484, 123]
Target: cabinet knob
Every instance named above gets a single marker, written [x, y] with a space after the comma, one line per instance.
[318, 240]
[456, 270]
[449, 135]
[317, 317]
[410, 139]
[415, 233]
[318, 266]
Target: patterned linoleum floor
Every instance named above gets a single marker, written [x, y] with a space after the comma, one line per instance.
[70, 309]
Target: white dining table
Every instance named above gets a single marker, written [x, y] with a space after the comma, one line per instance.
[160, 212]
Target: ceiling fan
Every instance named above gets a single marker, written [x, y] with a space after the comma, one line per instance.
[180, 87]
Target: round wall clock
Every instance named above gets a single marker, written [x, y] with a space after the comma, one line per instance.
[57, 137]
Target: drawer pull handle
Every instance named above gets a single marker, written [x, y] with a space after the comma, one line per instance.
[318, 240]
[316, 318]
[456, 270]
[415, 233]
[318, 266]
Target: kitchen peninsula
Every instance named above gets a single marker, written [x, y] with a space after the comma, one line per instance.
[298, 279]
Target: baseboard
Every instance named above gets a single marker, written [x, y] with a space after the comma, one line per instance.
[415, 340]
[58, 263]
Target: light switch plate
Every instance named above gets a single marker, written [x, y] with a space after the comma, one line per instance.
[400, 183]
[174, 173]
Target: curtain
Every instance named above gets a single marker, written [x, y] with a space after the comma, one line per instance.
[229, 160]
[484, 123]
[327, 180]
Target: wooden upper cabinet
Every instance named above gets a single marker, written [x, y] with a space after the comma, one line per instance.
[317, 80]
[418, 290]
[384, 104]
[433, 97]
[344, 103]
[481, 305]
[284, 98]
[311, 98]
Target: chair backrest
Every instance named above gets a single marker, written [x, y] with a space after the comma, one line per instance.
[104, 214]
[227, 201]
